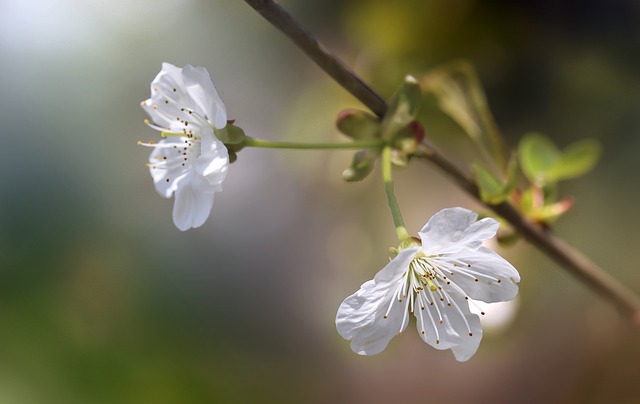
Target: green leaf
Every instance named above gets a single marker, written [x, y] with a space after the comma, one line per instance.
[460, 95]
[543, 163]
[361, 165]
[537, 155]
[402, 109]
[358, 124]
[492, 189]
[578, 159]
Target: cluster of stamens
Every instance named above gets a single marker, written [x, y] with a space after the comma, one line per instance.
[170, 160]
[429, 281]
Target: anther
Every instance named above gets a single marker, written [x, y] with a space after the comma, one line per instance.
[471, 334]
[437, 341]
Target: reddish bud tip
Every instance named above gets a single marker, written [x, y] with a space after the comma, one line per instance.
[418, 131]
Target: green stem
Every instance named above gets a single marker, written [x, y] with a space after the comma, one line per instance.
[391, 197]
[267, 144]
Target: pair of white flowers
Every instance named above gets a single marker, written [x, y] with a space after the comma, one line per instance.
[435, 279]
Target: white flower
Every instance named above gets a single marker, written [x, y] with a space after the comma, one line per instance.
[189, 161]
[435, 283]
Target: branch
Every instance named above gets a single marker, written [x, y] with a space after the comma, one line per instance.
[331, 64]
[565, 255]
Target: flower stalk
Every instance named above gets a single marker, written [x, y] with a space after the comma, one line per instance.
[268, 144]
[401, 230]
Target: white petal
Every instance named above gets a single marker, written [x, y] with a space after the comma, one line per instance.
[163, 167]
[193, 202]
[496, 278]
[460, 330]
[171, 106]
[201, 89]
[213, 161]
[361, 317]
[454, 229]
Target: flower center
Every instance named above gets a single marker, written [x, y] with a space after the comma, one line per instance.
[426, 286]
[174, 157]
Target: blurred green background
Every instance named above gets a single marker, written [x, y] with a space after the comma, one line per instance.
[103, 300]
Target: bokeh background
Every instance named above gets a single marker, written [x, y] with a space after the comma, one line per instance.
[102, 300]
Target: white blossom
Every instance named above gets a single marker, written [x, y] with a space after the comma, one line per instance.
[436, 282]
[189, 162]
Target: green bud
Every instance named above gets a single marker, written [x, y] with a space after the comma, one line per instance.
[409, 139]
[361, 165]
[402, 109]
[358, 125]
[550, 213]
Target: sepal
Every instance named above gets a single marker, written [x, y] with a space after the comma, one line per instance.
[230, 134]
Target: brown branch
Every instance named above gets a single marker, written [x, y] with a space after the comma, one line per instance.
[565, 255]
[331, 64]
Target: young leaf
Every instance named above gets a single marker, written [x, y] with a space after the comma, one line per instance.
[491, 189]
[537, 156]
[578, 158]
[460, 95]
